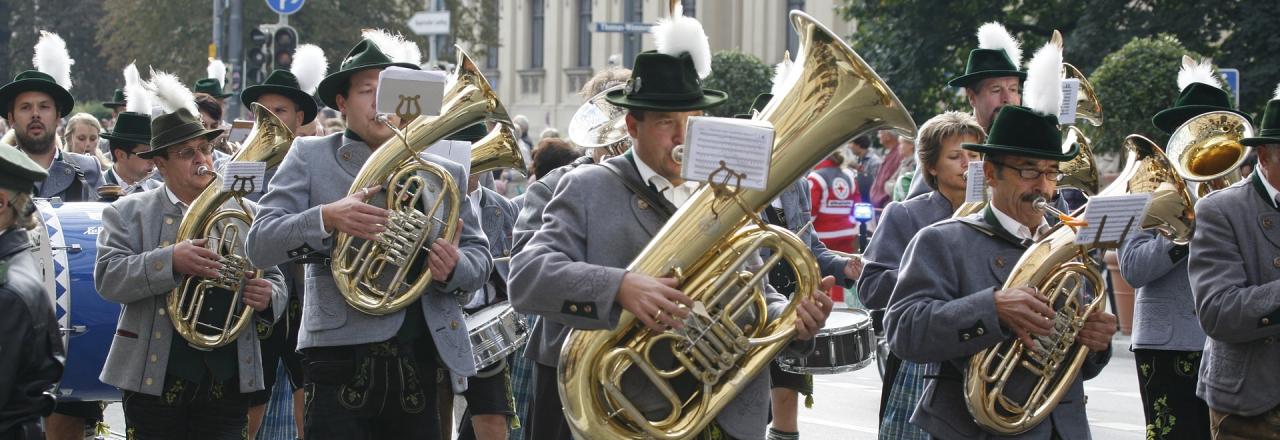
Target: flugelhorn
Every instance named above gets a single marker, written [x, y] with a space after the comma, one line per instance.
[831, 95]
[225, 228]
[1207, 150]
[383, 276]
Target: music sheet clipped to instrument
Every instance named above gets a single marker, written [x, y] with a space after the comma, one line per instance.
[1110, 218]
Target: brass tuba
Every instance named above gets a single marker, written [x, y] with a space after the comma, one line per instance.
[1207, 150]
[225, 228]
[383, 276]
[726, 340]
[1064, 271]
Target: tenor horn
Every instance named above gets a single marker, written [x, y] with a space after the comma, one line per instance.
[1207, 150]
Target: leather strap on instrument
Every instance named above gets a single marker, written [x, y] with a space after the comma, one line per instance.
[652, 197]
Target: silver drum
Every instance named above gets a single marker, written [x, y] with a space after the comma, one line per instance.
[496, 331]
[847, 343]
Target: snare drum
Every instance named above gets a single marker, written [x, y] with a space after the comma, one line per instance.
[845, 344]
[65, 249]
[496, 331]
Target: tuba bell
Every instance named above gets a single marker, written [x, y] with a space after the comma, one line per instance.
[498, 149]
[1207, 150]
[383, 276]
[225, 229]
[1064, 271]
[832, 95]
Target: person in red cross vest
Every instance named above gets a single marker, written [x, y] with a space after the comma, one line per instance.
[833, 191]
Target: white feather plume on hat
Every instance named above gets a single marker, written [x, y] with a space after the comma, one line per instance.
[395, 46]
[782, 75]
[53, 59]
[218, 71]
[994, 36]
[1042, 92]
[309, 66]
[170, 94]
[1277, 93]
[137, 99]
[1193, 72]
[678, 34]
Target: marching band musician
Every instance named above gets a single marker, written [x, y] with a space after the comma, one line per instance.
[572, 273]
[171, 389]
[31, 352]
[130, 136]
[1167, 339]
[1233, 266]
[33, 103]
[288, 95]
[949, 305]
[944, 163]
[366, 375]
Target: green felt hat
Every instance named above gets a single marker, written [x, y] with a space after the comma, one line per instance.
[282, 82]
[473, 133]
[1269, 131]
[365, 55]
[665, 83]
[1019, 131]
[36, 81]
[987, 63]
[757, 105]
[17, 171]
[1194, 100]
[117, 100]
[175, 128]
[212, 87]
[130, 129]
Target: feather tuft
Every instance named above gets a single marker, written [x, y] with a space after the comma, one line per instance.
[217, 70]
[994, 36]
[1193, 72]
[170, 94]
[395, 46]
[136, 97]
[678, 34]
[53, 59]
[1043, 89]
[309, 66]
[1277, 94]
[782, 75]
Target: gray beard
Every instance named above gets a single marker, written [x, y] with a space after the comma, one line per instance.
[33, 145]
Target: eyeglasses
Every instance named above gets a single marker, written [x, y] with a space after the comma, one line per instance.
[1032, 173]
[188, 153]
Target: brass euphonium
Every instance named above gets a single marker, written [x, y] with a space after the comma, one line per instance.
[498, 149]
[1207, 150]
[225, 229]
[383, 276]
[1011, 388]
[706, 245]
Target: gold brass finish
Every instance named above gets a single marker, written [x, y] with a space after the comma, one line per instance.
[1207, 150]
[225, 229]
[384, 276]
[498, 149]
[707, 245]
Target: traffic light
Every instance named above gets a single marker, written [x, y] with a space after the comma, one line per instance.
[285, 40]
[258, 56]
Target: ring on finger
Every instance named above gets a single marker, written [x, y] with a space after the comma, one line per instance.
[657, 315]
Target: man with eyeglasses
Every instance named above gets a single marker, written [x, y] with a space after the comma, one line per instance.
[948, 303]
[171, 389]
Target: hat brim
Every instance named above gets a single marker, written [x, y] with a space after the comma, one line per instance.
[1260, 140]
[61, 96]
[132, 140]
[328, 89]
[156, 150]
[710, 98]
[966, 80]
[113, 105]
[304, 101]
[1170, 119]
[1007, 150]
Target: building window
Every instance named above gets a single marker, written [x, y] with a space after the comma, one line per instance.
[793, 40]
[690, 8]
[632, 12]
[537, 16]
[584, 33]
[491, 52]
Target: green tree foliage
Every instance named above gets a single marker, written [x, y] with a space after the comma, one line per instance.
[740, 75]
[76, 21]
[1134, 83]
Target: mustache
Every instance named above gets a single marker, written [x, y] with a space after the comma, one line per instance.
[1032, 196]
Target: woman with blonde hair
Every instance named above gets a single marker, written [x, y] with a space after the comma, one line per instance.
[80, 135]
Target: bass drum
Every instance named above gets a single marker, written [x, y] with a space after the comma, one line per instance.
[66, 248]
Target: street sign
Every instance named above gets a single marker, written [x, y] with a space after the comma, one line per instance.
[430, 23]
[285, 7]
[634, 28]
[1232, 78]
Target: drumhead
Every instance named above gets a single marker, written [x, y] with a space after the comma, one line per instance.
[842, 321]
[487, 314]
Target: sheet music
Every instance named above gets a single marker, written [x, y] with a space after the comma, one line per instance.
[1117, 212]
[1070, 93]
[740, 145]
[975, 183]
[246, 177]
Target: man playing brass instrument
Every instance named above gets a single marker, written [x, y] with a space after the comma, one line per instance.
[172, 390]
[367, 376]
[1234, 262]
[948, 303]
